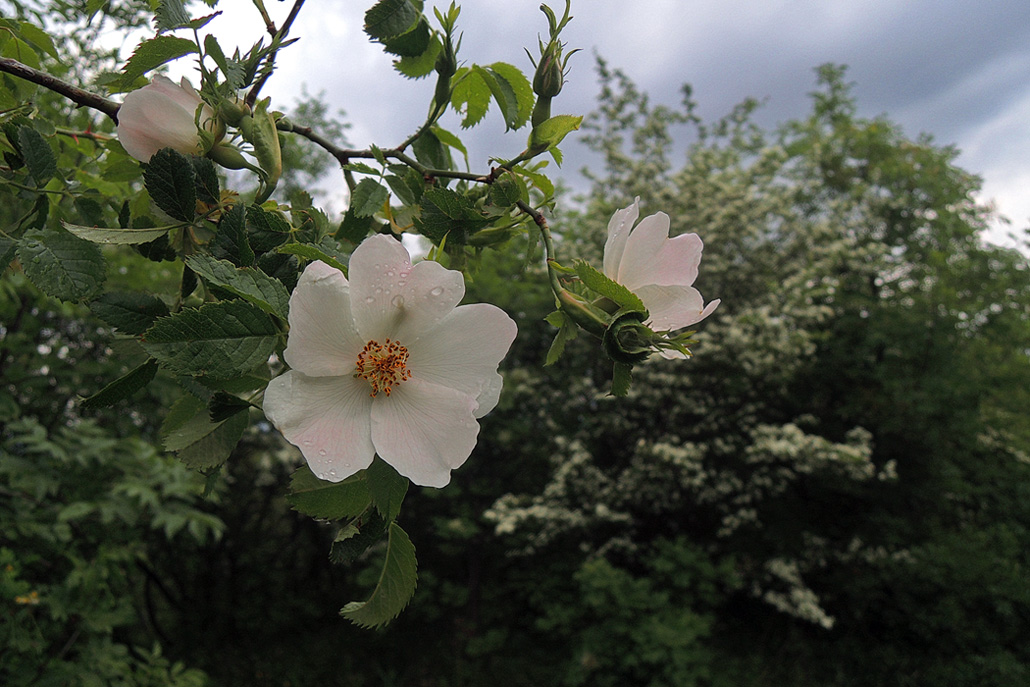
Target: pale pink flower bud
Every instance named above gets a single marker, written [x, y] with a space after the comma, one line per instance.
[164, 115]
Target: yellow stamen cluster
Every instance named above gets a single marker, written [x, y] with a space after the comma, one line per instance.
[383, 366]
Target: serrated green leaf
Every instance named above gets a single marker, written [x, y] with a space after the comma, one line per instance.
[7, 250]
[368, 198]
[171, 14]
[411, 43]
[312, 252]
[267, 228]
[357, 536]
[470, 96]
[613, 291]
[431, 152]
[170, 180]
[248, 283]
[223, 405]
[421, 66]
[123, 387]
[38, 155]
[117, 235]
[390, 18]
[502, 92]
[567, 331]
[449, 139]
[36, 36]
[397, 584]
[233, 70]
[220, 340]
[551, 132]
[231, 241]
[152, 53]
[361, 168]
[507, 190]
[386, 487]
[206, 180]
[445, 213]
[62, 265]
[130, 313]
[197, 441]
[520, 87]
[328, 500]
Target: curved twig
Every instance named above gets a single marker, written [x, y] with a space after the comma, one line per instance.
[73, 93]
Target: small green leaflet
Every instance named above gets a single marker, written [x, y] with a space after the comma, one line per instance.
[368, 198]
[220, 340]
[171, 14]
[170, 179]
[129, 313]
[38, 155]
[249, 283]
[622, 376]
[551, 131]
[567, 331]
[355, 537]
[396, 585]
[390, 18]
[200, 443]
[152, 53]
[116, 235]
[123, 387]
[386, 487]
[613, 291]
[421, 66]
[312, 252]
[328, 500]
[62, 265]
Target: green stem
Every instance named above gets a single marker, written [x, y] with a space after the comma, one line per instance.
[545, 231]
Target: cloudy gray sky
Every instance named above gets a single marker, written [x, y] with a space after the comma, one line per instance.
[957, 69]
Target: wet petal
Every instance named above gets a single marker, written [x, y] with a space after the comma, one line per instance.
[391, 298]
[678, 260]
[328, 418]
[464, 350]
[618, 231]
[424, 430]
[323, 339]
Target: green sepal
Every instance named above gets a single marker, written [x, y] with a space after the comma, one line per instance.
[328, 500]
[627, 339]
[123, 387]
[622, 377]
[397, 583]
[601, 284]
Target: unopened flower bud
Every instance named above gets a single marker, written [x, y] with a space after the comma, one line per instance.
[549, 79]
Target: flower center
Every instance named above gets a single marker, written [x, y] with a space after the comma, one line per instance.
[383, 365]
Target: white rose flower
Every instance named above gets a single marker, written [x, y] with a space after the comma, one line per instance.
[163, 115]
[658, 269]
[386, 363]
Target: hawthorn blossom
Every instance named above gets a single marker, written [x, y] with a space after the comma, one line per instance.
[658, 269]
[163, 115]
[386, 363]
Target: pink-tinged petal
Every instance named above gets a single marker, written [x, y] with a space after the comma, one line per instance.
[424, 430]
[328, 418]
[160, 115]
[618, 231]
[674, 307]
[678, 261]
[393, 299]
[643, 246]
[323, 340]
[463, 352]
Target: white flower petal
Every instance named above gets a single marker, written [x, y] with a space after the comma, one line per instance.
[424, 430]
[678, 260]
[323, 339]
[642, 248]
[159, 115]
[390, 298]
[618, 231]
[674, 307]
[463, 352]
[328, 418]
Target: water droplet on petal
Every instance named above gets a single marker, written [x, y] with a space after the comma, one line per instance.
[389, 273]
[379, 289]
[332, 473]
[398, 301]
[437, 291]
[401, 283]
[308, 442]
[322, 452]
[370, 300]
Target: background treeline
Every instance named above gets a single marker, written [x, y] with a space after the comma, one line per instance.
[834, 491]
